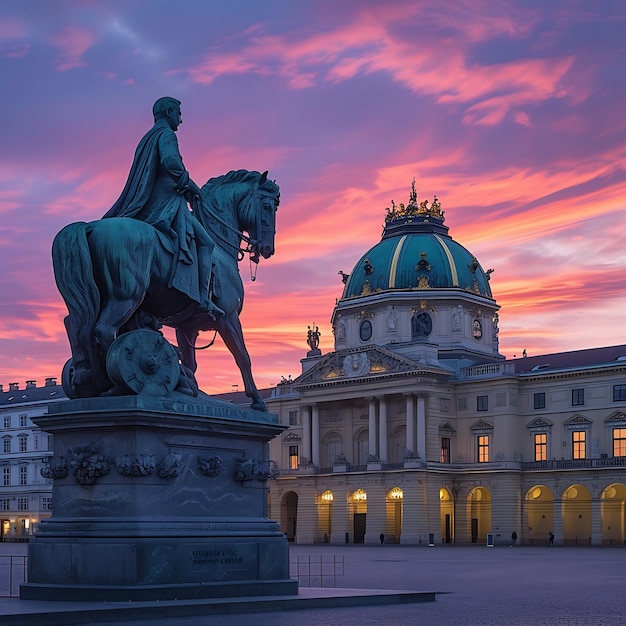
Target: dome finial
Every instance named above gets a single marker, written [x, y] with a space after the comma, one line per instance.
[413, 209]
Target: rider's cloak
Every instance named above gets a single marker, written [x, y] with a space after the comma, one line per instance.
[154, 193]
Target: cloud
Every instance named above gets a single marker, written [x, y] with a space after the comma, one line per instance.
[72, 44]
[428, 63]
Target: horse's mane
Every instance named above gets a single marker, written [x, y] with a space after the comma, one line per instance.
[213, 185]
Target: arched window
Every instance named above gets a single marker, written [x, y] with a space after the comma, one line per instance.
[333, 449]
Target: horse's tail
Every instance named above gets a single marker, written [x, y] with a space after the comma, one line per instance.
[73, 273]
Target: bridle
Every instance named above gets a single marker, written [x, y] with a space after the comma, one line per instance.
[251, 243]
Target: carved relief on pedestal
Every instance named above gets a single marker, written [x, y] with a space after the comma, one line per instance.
[210, 466]
[135, 465]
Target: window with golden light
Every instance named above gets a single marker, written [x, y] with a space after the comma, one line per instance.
[483, 448]
[541, 446]
[579, 444]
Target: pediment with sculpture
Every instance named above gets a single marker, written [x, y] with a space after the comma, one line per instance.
[361, 363]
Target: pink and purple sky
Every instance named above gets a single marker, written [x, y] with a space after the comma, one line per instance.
[510, 111]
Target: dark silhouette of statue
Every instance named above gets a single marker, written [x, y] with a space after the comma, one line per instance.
[313, 340]
[157, 191]
[149, 263]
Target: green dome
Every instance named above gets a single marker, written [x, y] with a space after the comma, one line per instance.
[416, 252]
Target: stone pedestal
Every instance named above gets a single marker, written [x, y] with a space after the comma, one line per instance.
[158, 499]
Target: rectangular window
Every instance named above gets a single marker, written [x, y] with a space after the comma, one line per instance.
[619, 442]
[293, 457]
[579, 444]
[22, 504]
[541, 447]
[619, 393]
[482, 403]
[539, 400]
[6, 445]
[23, 444]
[46, 503]
[578, 397]
[6, 504]
[445, 449]
[7, 421]
[23, 419]
[293, 418]
[483, 448]
[23, 475]
[6, 476]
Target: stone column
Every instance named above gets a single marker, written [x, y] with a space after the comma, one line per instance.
[373, 448]
[558, 522]
[433, 504]
[341, 524]
[596, 521]
[376, 513]
[306, 435]
[382, 425]
[306, 526]
[410, 534]
[410, 423]
[421, 426]
[460, 522]
[315, 435]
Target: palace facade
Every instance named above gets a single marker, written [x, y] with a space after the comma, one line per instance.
[25, 496]
[416, 430]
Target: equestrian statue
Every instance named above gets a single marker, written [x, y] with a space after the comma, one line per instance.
[165, 254]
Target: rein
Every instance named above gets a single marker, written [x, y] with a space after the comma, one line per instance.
[233, 230]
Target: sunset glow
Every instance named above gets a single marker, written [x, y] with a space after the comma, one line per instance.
[511, 112]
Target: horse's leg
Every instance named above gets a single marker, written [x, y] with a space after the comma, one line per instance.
[229, 328]
[186, 338]
[113, 315]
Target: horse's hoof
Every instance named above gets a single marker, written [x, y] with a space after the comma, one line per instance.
[259, 405]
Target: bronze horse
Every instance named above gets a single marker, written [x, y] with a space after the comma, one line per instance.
[113, 275]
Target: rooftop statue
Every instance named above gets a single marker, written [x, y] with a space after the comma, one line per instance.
[414, 209]
[151, 261]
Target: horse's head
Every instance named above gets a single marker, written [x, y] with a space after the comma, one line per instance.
[267, 198]
[237, 203]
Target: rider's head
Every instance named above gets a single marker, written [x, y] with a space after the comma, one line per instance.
[169, 109]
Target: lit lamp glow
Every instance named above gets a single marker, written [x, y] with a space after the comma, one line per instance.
[359, 495]
[396, 493]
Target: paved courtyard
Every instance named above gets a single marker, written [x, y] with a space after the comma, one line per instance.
[478, 585]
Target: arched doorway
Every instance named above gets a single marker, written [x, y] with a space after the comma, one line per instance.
[446, 512]
[576, 516]
[325, 515]
[289, 514]
[539, 504]
[393, 519]
[479, 508]
[358, 508]
[612, 502]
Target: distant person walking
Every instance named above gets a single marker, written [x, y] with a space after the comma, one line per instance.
[550, 539]
[513, 538]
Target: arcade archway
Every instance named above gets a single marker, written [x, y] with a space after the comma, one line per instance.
[612, 505]
[576, 504]
[289, 514]
[479, 509]
[539, 505]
